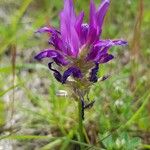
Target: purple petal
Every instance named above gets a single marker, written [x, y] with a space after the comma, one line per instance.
[54, 37]
[92, 35]
[93, 74]
[92, 14]
[47, 30]
[62, 78]
[101, 14]
[80, 27]
[60, 60]
[74, 43]
[101, 48]
[98, 52]
[84, 33]
[68, 31]
[57, 42]
[79, 22]
[96, 20]
[105, 58]
[72, 71]
[46, 53]
[93, 53]
[110, 43]
[120, 42]
[57, 74]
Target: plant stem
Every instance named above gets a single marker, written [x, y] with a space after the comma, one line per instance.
[80, 123]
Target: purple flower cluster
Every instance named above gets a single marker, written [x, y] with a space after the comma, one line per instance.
[78, 46]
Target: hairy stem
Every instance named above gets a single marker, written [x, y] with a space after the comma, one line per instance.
[80, 122]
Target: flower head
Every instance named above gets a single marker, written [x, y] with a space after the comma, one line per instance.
[78, 46]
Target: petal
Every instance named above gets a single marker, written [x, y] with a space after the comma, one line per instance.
[68, 31]
[102, 47]
[58, 58]
[93, 54]
[62, 78]
[79, 22]
[92, 14]
[110, 43]
[57, 42]
[74, 43]
[105, 58]
[92, 35]
[47, 30]
[67, 18]
[46, 53]
[93, 74]
[54, 37]
[71, 71]
[57, 74]
[101, 14]
[120, 42]
[96, 20]
[84, 33]
[80, 27]
[99, 51]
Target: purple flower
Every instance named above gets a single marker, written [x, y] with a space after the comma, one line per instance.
[78, 46]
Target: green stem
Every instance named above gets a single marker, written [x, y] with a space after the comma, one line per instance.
[80, 123]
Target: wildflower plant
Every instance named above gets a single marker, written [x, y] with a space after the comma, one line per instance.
[78, 50]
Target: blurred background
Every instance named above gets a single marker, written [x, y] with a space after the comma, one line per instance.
[33, 117]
